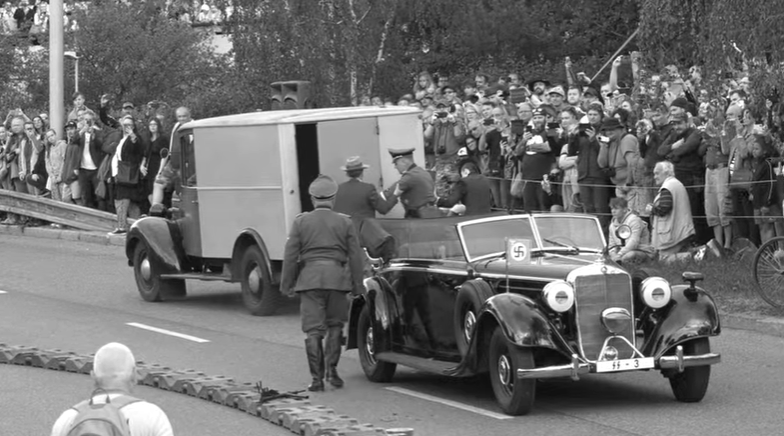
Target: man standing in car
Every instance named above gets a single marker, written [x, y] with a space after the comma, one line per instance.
[415, 187]
[322, 262]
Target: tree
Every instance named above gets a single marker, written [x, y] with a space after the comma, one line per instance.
[132, 50]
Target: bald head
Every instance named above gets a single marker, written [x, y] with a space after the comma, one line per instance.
[183, 114]
[114, 367]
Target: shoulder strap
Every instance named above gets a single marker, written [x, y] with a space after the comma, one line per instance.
[772, 180]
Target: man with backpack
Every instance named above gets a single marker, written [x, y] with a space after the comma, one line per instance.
[111, 410]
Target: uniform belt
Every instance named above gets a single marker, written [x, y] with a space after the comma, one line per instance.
[716, 166]
[324, 262]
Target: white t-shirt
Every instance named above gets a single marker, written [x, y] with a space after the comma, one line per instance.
[144, 419]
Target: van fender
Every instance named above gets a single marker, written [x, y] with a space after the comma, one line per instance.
[689, 315]
[164, 240]
[245, 239]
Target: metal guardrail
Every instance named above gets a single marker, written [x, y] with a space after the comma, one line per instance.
[70, 215]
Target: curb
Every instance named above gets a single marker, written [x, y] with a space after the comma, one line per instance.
[296, 414]
[768, 326]
[90, 237]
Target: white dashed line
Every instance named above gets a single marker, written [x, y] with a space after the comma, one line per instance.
[167, 332]
[3, 292]
[450, 403]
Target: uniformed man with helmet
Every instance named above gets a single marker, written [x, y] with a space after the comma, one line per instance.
[322, 263]
[415, 189]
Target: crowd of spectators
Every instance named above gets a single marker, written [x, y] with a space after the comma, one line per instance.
[576, 144]
[107, 160]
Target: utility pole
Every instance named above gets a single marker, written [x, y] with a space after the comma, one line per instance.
[56, 61]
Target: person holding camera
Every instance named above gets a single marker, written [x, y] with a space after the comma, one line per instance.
[494, 146]
[592, 180]
[446, 134]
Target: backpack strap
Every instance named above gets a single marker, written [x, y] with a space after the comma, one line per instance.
[120, 401]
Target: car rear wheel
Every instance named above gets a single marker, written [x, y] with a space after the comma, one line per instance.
[514, 395]
[151, 287]
[258, 294]
[375, 370]
[690, 385]
[470, 298]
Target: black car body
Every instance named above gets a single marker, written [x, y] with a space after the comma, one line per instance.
[450, 301]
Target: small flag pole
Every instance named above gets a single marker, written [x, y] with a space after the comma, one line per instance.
[506, 243]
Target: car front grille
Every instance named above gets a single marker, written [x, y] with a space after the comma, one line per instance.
[593, 294]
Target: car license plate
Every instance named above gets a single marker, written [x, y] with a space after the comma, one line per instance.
[624, 365]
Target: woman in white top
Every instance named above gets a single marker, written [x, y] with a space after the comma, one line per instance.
[126, 165]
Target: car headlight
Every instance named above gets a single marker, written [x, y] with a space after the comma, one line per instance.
[655, 292]
[559, 295]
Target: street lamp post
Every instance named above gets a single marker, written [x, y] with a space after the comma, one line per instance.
[72, 55]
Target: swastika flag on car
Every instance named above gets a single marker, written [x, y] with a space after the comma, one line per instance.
[518, 251]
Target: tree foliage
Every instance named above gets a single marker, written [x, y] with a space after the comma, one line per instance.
[135, 52]
[351, 47]
[721, 36]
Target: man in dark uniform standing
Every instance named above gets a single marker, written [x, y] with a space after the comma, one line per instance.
[358, 199]
[322, 262]
[415, 187]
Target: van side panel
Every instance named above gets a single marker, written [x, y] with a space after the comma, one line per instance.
[244, 191]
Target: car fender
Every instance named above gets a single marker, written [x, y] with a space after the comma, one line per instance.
[164, 240]
[377, 297]
[521, 321]
[245, 239]
[689, 315]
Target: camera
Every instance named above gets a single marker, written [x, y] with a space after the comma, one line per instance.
[583, 127]
[552, 126]
[602, 138]
[441, 114]
[518, 127]
[488, 122]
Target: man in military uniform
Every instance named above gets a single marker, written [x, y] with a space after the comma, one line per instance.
[415, 187]
[322, 262]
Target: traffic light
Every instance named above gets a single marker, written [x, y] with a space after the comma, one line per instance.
[294, 94]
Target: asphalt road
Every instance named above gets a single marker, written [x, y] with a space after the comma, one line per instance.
[77, 297]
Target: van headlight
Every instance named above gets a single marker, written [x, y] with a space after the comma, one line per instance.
[655, 292]
[559, 295]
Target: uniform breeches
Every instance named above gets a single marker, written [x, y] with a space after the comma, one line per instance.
[321, 309]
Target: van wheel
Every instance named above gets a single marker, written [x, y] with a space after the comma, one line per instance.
[151, 287]
[258, 295]
[469, 299]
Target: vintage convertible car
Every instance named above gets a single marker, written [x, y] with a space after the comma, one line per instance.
[450, 302]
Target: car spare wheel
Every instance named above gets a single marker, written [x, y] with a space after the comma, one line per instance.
[258, 294]
[375, 370]
[151, 287]
[690, 385]
[514, 395]
[470, 297]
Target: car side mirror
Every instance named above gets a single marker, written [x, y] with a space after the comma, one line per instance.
[164, 153]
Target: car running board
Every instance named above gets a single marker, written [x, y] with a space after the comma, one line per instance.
[418, 363]
[210, 277]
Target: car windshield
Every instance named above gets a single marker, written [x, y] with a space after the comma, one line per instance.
[564, 231]
[489, 237]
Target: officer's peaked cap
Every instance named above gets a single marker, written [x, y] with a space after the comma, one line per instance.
[323, 188]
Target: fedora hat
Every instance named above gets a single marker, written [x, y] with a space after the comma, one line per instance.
[354, 163]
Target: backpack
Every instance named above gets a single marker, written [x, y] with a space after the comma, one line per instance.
[101, 419]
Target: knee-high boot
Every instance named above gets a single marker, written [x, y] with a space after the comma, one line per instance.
[332, 351]
[315, 353]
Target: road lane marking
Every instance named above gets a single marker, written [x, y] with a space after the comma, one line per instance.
[167, 332]
[3, 292]
[450, 403]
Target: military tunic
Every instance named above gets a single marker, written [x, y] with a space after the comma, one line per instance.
[322, 255]
[417, 194]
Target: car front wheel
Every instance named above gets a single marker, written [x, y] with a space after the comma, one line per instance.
[258, 294]
[151, 287]
[514, 395]
[375, 370]
[690, 385]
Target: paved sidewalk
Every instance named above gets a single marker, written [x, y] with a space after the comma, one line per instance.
[33, 398]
